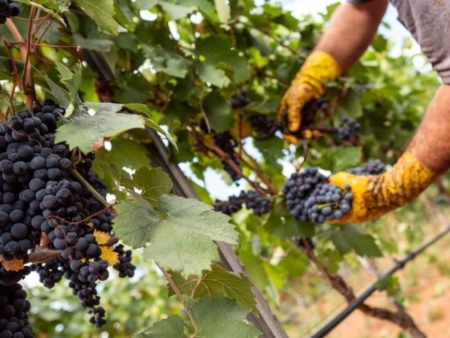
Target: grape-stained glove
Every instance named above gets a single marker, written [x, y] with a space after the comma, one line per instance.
[306, 86]
[373, 196]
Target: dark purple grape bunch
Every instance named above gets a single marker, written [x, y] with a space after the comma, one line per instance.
[348, 128]
[227, 143]
[261, 123]
[309, 197]
[252, 199]
[232, 205]
[13, 312]
[258, 203]
[39, 195]
[328, 202]
[124, 267]
[298, 188]
[372, 167]
[240, 100]
[8, 9]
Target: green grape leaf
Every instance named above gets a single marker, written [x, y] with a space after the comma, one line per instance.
[347, 157]
[85, 130]
[120, 176]
[152, 183]
[181, 232]
[220, 63]
[218, 282]
[223, 9]
[209, 73]
[102, 12]
[165, 61]
[221, 318]
[351, 238]
[218, 112]
[72, 81]
[255, 267]
[99, 45]
[171, 327]
[5, 66]
[49, 6]
[176, 11]
[140, 108]
[151, 124]
[215, 318]
[124, 153]
[57, 92]
[136, 222]
[351, 105]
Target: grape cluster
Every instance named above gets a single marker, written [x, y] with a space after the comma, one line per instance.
[240, 100]
[8, 8]
[328, 202]
[372, 167]
[233, 205]
[42, 201]
[252, 199]
[258, 203]
[125, 268]
[348, 128]
[298, 188]
[227, 143]
[13, 312]
[261, 123]
[310, 198]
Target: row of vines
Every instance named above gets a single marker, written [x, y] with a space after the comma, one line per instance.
[83, 83]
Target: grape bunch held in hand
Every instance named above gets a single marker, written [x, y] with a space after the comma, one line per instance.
[8, 8]
[310, 198]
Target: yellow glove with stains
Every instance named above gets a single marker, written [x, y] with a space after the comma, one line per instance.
[373, 196]
[306, 86]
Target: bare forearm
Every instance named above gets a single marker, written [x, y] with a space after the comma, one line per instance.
[431, 144]
[351, 31]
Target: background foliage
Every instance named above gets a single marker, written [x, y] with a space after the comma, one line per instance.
[178, 62]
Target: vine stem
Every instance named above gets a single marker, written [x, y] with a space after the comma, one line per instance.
[254, 166]
[28, 81]
[179, 295]
[251, 163]
[206, 144]
[223, 156]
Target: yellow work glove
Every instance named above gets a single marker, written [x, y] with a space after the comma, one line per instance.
[373, 196]
[306, 86]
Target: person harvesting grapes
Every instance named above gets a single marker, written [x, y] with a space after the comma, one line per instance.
[349, 34]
